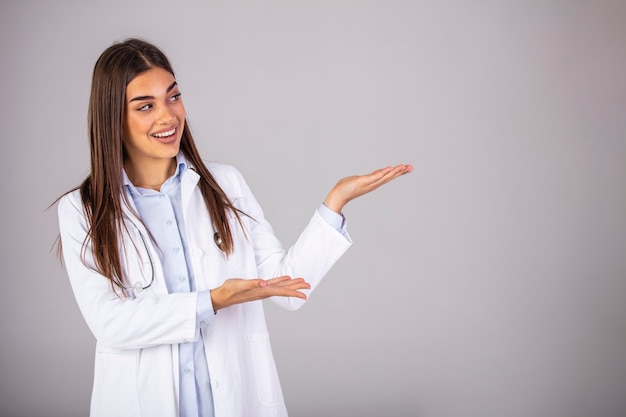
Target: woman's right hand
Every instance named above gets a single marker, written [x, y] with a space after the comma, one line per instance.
[239, 290]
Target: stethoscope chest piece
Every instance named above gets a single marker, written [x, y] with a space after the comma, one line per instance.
[218, 241]
[137, 288]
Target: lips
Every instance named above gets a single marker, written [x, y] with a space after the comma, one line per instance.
[165, 136]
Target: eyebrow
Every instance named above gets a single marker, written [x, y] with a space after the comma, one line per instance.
[140, 98]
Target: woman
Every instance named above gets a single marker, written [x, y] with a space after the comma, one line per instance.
[169, 256]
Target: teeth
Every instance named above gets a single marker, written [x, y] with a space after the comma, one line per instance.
[164, 134]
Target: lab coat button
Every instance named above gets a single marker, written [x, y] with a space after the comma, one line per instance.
[215, 383]
[197, 252]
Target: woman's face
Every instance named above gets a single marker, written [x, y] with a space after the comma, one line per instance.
[154, 118]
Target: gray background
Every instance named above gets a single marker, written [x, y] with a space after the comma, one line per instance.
[490, 282]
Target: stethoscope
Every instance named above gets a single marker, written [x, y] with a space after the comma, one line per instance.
[138, 287]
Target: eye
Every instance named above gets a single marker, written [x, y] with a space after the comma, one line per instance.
[145, 107]
[175, 97]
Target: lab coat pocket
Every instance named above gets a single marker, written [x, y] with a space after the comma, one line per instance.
[264, 370]
[115, 385]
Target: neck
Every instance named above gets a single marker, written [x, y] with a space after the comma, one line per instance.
[151, 175]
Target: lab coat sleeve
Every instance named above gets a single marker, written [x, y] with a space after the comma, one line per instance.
[116, 321]
[316, 250]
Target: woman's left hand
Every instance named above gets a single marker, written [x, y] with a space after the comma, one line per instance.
[349, 188]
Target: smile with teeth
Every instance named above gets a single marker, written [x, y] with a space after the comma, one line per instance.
[164, 134]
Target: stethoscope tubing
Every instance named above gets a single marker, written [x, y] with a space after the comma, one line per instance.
[138, 286]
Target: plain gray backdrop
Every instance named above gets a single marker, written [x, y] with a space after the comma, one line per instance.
[489, 282]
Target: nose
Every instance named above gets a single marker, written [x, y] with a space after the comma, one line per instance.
[165, 115]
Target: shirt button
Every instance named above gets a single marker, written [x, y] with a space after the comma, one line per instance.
[169, 222]
[215, 383]
[182, 279]
[202, 324]
[176, 249]
[161, 196]
[197, 252]
[187, 371]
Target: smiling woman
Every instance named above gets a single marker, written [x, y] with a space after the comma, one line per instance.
[156, 242]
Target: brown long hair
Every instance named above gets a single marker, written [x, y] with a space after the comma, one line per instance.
[102, 192]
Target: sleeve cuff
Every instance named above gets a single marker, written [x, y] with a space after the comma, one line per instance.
[204, 309]
[336, 220]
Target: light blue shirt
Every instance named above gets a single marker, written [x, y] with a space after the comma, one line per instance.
[161, 212]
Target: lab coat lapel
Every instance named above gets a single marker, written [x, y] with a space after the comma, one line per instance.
[189, 181]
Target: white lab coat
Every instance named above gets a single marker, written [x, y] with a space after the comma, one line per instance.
[136, 363]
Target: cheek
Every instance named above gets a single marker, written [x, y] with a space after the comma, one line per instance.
[180, 115]
[134, 126]
[182, 112]
[129, 124]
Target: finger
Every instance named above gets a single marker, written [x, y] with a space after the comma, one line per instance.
[394, 173]
[291, 290]
[384, 175]
[397, 170]
[377, 178]
[283, 292]
[378, 174]
[296, 284]
[278, 280]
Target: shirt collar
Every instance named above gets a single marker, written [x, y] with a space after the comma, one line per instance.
[181, 164]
